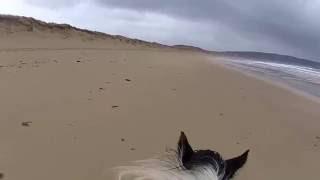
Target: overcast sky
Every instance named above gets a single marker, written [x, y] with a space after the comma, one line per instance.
[281, 26]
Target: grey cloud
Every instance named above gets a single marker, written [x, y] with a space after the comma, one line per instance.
[55, 3]
[285, 23]
[281, 26]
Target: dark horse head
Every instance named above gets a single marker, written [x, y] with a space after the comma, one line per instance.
[196, 159]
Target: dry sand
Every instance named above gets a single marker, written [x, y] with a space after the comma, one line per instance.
[73, 107]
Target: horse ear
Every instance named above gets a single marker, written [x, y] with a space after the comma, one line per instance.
[184, 149]
[234, 164]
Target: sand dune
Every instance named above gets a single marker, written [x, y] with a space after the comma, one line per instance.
[74, 104]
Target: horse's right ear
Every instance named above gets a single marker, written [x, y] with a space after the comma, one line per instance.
[184, 149]
[234, 164]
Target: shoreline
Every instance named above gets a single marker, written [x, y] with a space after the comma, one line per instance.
[268, 80]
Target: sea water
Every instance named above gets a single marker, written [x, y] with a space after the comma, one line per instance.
[301, 76]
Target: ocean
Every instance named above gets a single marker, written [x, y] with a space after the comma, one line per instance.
[299, 75]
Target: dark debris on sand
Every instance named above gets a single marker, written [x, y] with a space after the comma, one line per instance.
[122, 139]
[1, 175]
[26, 123]
[128, 80]
[115, 106]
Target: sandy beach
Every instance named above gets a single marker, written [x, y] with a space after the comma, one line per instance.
[74, 105]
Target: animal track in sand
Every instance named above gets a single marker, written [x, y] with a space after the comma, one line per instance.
[28, 63]
[316, 144]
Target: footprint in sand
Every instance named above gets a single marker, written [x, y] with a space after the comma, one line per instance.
[318, 141]
[21, 62]
[114, 107]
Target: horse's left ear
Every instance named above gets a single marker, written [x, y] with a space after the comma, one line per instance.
[234, 164]
[185, 151]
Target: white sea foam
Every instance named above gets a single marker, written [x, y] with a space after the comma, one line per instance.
[294, 71]
[301, 78]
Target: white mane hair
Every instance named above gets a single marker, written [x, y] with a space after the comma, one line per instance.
[183, 164]
[167, 167]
